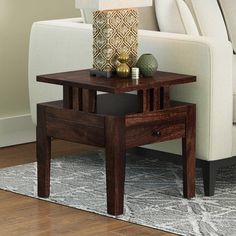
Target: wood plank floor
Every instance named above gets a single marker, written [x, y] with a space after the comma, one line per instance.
[22, 215]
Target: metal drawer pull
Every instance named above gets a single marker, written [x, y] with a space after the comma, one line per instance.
[156, 133]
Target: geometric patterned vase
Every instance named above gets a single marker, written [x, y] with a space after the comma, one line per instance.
[114, 31]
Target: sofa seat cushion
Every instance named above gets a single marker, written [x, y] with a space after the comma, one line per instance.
[228, 8]
[174, 16]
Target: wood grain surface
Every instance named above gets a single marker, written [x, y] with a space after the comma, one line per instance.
[82, 79]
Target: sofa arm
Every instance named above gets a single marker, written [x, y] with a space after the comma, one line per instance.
[211, 61]
[56, 46]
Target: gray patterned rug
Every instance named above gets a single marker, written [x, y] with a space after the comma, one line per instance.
[153, 193]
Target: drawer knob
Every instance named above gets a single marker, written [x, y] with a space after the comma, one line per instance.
[156, 133]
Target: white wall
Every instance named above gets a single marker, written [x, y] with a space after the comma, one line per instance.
[16, 18]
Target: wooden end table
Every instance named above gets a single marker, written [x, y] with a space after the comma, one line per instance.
[117, 121]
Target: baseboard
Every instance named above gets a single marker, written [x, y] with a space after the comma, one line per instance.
[16, 130]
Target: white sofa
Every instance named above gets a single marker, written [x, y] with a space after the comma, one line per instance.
[63, 45]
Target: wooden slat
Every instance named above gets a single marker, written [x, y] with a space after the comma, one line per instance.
[156, 99]
[144, 100]
[67, 97]
[77, 99]
[89, 100]
[166, 97]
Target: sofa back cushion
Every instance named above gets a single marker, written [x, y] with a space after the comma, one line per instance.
[147, 17]
[208, 18]
[228, 8]
[174, 16]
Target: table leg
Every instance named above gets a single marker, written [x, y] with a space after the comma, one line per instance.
[189, 159]
[43, 146]
[115, 164]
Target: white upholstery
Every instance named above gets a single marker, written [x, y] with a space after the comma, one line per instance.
[56, 46]
[208, 17]
[110, 5]
[228, 8]
[234, 89]
[147, 18]
[234, 141]
[61, 46]
[210, 22]
[174, 16]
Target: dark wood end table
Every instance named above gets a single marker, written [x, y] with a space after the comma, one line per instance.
[117, 121]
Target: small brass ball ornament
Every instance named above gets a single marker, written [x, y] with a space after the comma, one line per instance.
[123, 69]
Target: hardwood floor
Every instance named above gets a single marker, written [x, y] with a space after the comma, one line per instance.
[22, 215]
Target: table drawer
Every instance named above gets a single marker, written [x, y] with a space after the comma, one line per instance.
[146, 134]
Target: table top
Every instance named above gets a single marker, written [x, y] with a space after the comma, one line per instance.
[82, 79]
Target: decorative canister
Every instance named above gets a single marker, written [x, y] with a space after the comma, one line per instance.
[114, 30]
[147, 64]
